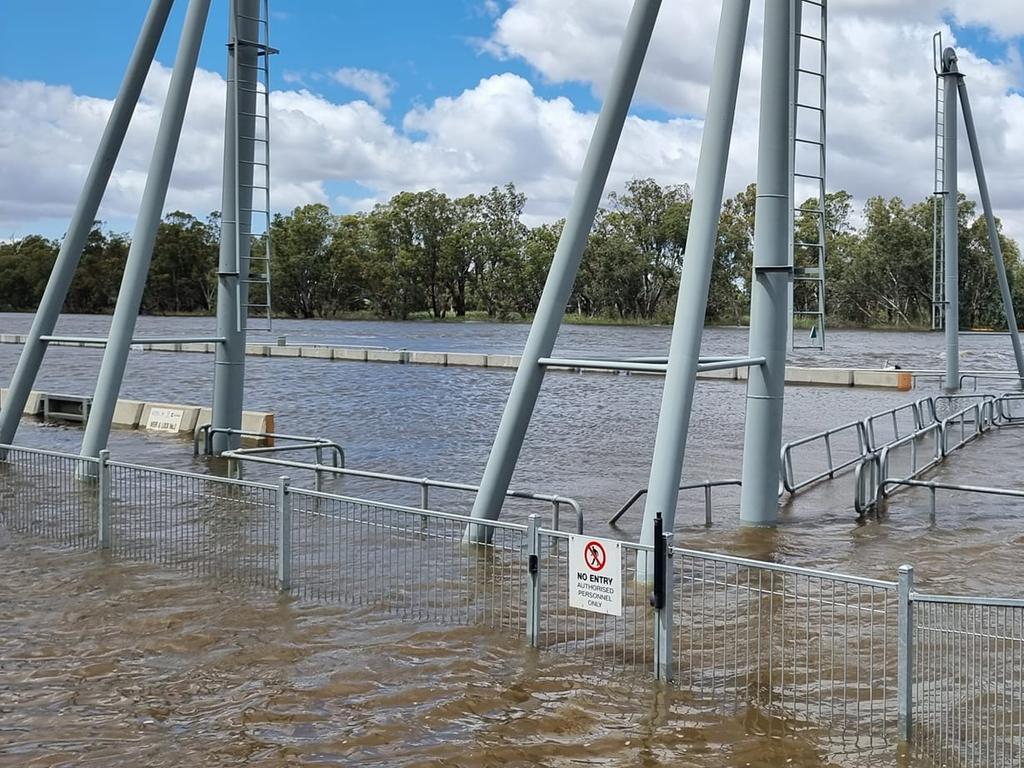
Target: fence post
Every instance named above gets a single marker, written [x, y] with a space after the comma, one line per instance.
[905, 652]
[533, 586]
[284, 534]
[707, 504]
[104, 500]
[661, 601]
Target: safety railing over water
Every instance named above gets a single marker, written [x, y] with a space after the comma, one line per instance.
[897, 464]
[425, 484]
[707, 486]
[871, 659]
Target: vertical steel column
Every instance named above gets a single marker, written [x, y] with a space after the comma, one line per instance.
[950, 223]
[662, 603]
[695, 280]
[105, 499]
[796, 9]
[773, 273]
[56, 292]
[990, 221]
[508, 441]
[129, 298]
[905, 653]
[236, 222]
[284, 534]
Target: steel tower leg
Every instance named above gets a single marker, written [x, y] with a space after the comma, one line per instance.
[762, 438]
[990, 220]
[56, 292]
[695, 280]
[140, 254]
[508, 441]
[950, 222]
[236, 217]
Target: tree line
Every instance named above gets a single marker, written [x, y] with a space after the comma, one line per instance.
[425, 254]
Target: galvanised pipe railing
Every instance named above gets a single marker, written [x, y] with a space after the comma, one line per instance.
[707, 485]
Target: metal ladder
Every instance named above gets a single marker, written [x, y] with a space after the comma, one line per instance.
[252, 201]
[938, 194]
[808, 170]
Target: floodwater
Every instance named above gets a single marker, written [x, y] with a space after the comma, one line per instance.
[106, 663]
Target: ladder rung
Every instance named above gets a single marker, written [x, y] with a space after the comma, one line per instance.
[806, 36]
[816, 312]
[813, 72]
[809, 141]
[809, 210]
[808, 245]
[808, 176]
[810, 106]
[252, 162]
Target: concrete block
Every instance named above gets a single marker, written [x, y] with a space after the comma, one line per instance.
[385, 356]
[728, 374]
[321, 353]
[428, 358]
[283, 351]
[836, 377]
[205, 416]
[467, 358]
[9, 338]
[350, 353]
[168, 417]
[256, 350]
[503, 361]
[901, 380]
[34, 404]
[196, 346]
[128, 413]
[257, 421]
[742, 374]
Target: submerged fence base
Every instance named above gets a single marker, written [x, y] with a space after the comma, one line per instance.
[872, 660]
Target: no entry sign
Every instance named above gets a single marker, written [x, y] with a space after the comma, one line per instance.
[595, 575]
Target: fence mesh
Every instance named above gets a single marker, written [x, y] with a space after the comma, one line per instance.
[406, 562]
[809, 648]
[207, 525]
[969, 683]
[50, 495]
[627, 640]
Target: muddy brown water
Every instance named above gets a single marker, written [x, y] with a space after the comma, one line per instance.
[108, 663]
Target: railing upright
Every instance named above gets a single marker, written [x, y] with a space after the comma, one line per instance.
[105, 500]
[284, 534]
[661, 601]
[905, 653]
[533, 586]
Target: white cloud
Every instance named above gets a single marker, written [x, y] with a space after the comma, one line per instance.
[376, 86]
[502, 129]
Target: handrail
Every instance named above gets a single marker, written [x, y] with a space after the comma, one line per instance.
[315, 443]
[707, 485]
[788, 480]
[425, 483]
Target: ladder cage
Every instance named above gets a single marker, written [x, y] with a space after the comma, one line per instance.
[249, 81]
[938, 193]
[808, 169]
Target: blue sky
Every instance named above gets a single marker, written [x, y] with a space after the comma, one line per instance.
[483, 92]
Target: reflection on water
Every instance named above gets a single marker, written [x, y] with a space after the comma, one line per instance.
[105, 663]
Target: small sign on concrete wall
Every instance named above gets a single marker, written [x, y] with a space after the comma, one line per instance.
[595, 575]
[165, 419]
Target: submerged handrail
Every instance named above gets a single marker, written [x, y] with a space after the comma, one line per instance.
[425, 483]
[317, 444]
[707, 485]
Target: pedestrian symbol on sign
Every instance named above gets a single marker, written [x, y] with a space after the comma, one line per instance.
[596, 557]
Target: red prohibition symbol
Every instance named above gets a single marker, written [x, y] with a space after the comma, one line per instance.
[594, 555]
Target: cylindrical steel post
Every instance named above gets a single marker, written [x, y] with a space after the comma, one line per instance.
[129, 298]
[905, 653]
[762, 437]
[236, 221]
[82, 219]
[508, 441]
[950, 221]
[990, 221]
[694, 283]
[284, 534]
[105, 498]
[663, 607]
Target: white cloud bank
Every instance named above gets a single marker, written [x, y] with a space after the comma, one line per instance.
[880, 113]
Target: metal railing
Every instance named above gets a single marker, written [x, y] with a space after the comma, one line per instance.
[707, 487]
[204, 434]
[425, 484]
[825, 440]
[877, 660]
